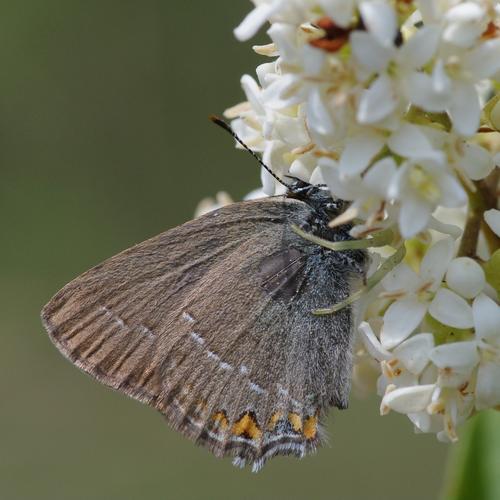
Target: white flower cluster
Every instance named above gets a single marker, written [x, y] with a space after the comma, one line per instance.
[392, 104]
[451, 367]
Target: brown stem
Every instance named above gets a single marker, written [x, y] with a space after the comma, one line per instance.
[468, 245]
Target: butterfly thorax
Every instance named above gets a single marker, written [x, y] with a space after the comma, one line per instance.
[324, 209]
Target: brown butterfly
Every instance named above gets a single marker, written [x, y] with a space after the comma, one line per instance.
[211, 323]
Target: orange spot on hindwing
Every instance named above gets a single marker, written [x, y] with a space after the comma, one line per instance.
[247, 427]
[296, 421]
[220, 420]
[275, 418]
[310, 427]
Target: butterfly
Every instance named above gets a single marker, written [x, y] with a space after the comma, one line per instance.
[212, 324]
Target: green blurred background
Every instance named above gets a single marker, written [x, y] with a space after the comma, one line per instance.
[104, 142]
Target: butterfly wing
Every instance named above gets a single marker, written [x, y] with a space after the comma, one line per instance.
[211, 323]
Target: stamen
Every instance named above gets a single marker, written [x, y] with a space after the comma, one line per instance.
[269, 50]
[303, 149]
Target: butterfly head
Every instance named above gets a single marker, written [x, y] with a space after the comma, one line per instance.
[317, 197]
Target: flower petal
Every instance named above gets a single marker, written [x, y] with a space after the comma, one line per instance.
[410, 141]
[341, 11]
[283, 92]
[413, 216]
[425, 422]
[486, 313]
[402, 277]
[430, 9]
[483, 61]
[252, 91]
[453, 195]
[318, 117]
[414, 352]
[377, 102]
[345, 189]
[451, 309]
[255, 19]
[372, 343]
[492, 218]
[435, 223]
[455, 355]
[435, 262]
[376, 179]
[465, 109]
[313, 60]
[455, 362]
[400, 320]
[422, 92]
[284, 37]
[488, 386]
[441, 82]
[317, 177]
[359, 151]
[420, 48]
[368, 53]
[409, 399]
[476, 161]
[380, 20]
[464, 24]
[268, 182]
[466, 277]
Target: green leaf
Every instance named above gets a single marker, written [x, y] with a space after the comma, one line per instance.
[474, 468]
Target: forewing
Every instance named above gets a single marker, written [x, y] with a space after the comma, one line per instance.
[211, 323]
[119, 320]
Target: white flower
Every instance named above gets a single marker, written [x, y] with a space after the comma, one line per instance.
[304, 76]
[474, 160]
[466, 277]
[451, 86]
[374, 52]
[208, 204]
[455, 362]
[361, 147]
[408, 399]
[464, 23]
[451, 309]
[413, 293]
[438, 386]
[287, 11]
[340, 11]
[486, 315]
[420, 186]
[265, 130]
[468, 159]
[367, 192]
[492, 218]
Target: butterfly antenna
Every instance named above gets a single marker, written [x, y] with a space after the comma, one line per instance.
[227, 128]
